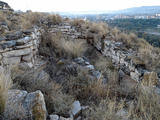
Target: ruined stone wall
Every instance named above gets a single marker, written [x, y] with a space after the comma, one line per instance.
[68, 30]
[19, 47]
[123, 58]
[4, 6]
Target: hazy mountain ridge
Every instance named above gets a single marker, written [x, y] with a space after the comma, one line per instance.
[139, 10]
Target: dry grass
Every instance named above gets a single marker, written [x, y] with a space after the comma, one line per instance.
[106, 110]
[56, 101]
[85, 88]
[5, 84]
[54, 19]
[148, 53]
[150, 79]
[105, 65]
[30, 19]
[2, 17]
[77, 22]
[99, 28]
[74, 48]
[61, 46]
[146, 106]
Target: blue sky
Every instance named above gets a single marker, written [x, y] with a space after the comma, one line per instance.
[77, 5]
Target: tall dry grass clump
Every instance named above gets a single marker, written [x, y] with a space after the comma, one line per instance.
[54, 19]
[2, 17]
[29, 19]
[74, 48]
[63, 46]
[5, 84]
[99, 28]
[106, 110]
[77, 22]
[146, 106]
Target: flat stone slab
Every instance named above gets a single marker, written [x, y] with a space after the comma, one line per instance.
[16, 53]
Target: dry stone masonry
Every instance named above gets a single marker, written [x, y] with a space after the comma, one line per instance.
[19, 47]
[125, 59]
[4, 6]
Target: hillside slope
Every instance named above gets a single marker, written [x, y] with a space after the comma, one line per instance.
[71, 69]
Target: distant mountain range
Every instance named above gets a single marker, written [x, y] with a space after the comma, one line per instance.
[130, 11]
[139, 10]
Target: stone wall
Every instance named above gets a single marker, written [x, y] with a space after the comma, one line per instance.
[4, 6]
[19, 47]
[68, 30]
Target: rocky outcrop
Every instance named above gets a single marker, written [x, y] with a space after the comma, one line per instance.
[22, 105]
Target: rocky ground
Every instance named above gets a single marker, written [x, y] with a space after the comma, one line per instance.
[61, 69]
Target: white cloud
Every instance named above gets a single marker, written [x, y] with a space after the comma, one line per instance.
[78, 5]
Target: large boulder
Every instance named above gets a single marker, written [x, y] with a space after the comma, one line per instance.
[128, 86]
[22, 105]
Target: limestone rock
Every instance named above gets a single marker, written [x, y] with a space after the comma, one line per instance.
[27, 58]
[62, 118]
[54, 117]
[8, 44]
[122, 114]
[76, 108]
[90, 67]
[23, 41]
[16, 53]
[11, 60]
[135, 76]
[128, 85]
[22, 105]
[14, 35]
